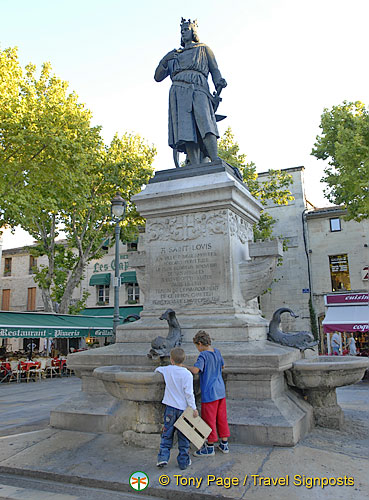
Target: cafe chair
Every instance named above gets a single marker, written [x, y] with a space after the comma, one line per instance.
[5, 372]
[15, 371]
[50, 368]
[31, 372]
[34, 371]
[41, 369]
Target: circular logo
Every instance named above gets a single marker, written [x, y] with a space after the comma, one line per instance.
[139, 481]
[164, 480]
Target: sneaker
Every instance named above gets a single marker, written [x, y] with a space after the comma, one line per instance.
[163, 463]
[224, 448]
[205, 451]
[185, 467]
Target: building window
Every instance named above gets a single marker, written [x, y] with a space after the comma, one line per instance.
[340, 276]
[8, 266]
[335, 224]
[133, 293]
[32, 264]
[102, 294]
[5, 302]
[132, 246]
[31, 299]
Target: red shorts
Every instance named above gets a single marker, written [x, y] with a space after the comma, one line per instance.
[215, 415]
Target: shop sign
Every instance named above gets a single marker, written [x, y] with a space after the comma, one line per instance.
[348, 299]
[123, 266]
[361, 328]
[365, 273]
[23, 332]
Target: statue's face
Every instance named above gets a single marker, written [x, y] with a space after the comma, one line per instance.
[186, 33]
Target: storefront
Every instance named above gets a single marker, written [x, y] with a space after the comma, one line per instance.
[347, 315]
[44, 332]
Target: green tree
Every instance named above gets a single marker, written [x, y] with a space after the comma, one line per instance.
[344, 142]
[56, 173]
[274, 189]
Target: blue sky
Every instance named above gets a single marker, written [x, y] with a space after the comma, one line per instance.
[284, 61]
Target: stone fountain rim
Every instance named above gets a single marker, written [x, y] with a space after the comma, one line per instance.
[331, 363]
[114, 373]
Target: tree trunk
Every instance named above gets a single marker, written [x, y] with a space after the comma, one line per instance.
[50, 252]
[46, 298]
[73, 280]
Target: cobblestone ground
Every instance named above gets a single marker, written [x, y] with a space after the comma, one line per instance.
[26, 406]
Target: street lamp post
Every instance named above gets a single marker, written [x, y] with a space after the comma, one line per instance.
[118, 208]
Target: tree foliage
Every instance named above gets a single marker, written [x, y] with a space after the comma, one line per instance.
[344, 143]
[56, 173]
[275, 189]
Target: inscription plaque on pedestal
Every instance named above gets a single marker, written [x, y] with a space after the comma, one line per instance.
[189, 260]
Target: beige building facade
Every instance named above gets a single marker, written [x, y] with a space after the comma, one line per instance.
[339, 259]
[326, 255]
[19, 292]
[291, 286]
[338, 253]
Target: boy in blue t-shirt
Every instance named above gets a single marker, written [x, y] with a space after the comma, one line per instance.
[213, 403]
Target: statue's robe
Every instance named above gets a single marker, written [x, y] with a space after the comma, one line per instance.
[191, 113]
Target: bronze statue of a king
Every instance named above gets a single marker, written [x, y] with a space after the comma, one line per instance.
[192, 120]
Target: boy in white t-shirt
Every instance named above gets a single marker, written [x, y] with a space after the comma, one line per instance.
[178, 396]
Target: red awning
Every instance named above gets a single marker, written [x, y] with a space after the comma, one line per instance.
[353, 319]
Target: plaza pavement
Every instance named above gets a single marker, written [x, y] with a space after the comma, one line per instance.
[39, 462]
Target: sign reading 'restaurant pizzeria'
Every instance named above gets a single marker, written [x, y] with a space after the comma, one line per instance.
[348, 299]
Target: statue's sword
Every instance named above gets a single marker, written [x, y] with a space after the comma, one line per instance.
[216, 100]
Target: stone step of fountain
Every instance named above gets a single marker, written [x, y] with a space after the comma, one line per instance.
[282, 421]
[85, 413]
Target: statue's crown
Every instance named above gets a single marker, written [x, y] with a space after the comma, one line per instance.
[191, 24]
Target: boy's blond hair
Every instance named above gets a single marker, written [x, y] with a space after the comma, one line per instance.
[177, 355]
[202, 337]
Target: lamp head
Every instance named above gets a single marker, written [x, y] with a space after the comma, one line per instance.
[118, 206]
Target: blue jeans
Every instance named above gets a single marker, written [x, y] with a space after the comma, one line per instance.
[336, 349]
[170, 416]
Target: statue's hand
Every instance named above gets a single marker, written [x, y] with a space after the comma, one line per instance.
[222, 83]
[169, 56]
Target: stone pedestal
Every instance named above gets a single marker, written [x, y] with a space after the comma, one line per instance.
[198, 230]
[200, 260]
[318, 379]
[327, 413]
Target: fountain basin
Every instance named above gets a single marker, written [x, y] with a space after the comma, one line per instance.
[140, 394]
[318, 379]
[327, 371]
[131, 386]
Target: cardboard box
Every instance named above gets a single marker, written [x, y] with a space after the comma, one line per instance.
[195, 429]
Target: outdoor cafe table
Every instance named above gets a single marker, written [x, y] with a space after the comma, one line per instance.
[26, 365]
